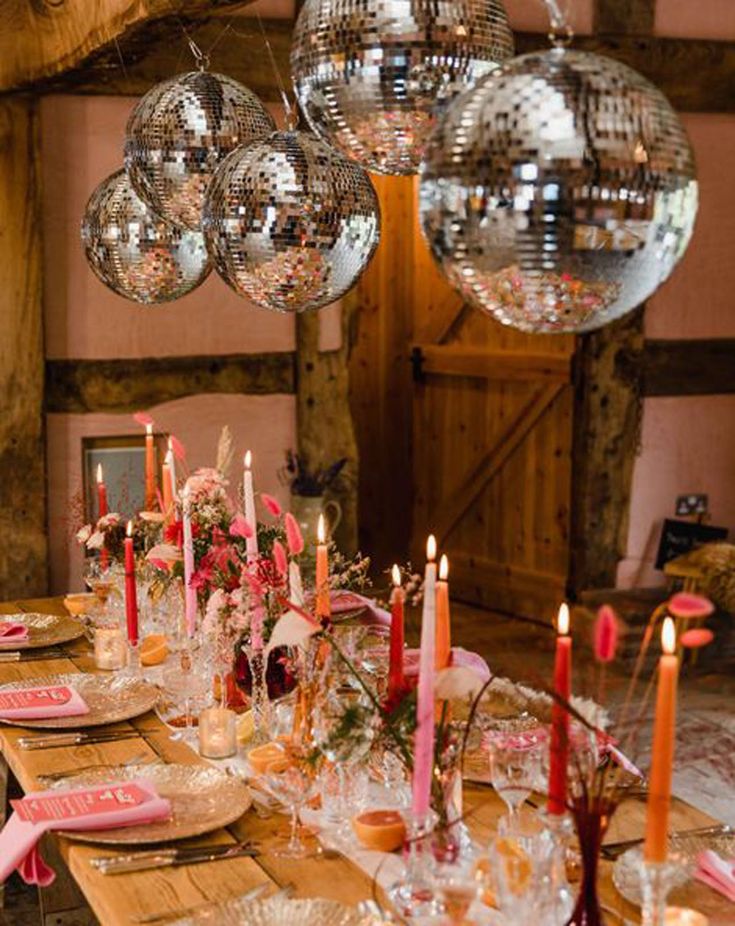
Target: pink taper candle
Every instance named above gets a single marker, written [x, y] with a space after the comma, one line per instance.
[662, 756]
[190, 595]
[424, 740]
[131, 592]
[559, 747]
[251, 543]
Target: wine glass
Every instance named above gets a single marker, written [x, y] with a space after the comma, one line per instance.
[185, 689]
[521, 856]
[515, 761]
[457, 886]
[292, 783]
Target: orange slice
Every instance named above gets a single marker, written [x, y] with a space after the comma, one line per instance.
[153, 650]
[260, 757]
[380, 830]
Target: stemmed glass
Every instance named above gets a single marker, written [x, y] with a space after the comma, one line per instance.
[457, 887]
[291, 783]
[515, 762]
[185, 690]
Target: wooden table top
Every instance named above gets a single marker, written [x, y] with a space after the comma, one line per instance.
[119, 900]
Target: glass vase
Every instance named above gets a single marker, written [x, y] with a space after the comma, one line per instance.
[591, 819]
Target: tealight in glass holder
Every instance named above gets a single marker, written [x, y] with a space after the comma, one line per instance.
[217, 733]
[110, 647]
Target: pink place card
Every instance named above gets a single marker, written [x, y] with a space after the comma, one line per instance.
[24, 698]
[75, 804]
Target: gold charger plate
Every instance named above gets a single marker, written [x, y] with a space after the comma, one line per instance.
[202, 798]
[279, 911]
[110, 699]
[43, 630]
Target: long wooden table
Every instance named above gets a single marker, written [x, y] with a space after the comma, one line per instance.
[119, 900]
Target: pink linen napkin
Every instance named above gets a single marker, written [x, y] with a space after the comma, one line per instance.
[118, 804]
[717, 873]
[459, 657]
[41, 703]
[344, 601]
[12, 632]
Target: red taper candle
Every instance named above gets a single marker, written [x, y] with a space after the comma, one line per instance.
[559, 748]
[395, 666]
[131, 595]
[101, 493]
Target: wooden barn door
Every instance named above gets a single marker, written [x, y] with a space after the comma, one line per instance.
[492, 434]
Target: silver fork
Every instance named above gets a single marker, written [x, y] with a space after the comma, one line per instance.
[136, 760]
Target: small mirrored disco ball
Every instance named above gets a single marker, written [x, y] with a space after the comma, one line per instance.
[134, 252]
[559, 193]
[180, 131]
[290, 222]
[370, 74]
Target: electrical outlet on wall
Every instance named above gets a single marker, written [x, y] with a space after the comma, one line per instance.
[691, 504]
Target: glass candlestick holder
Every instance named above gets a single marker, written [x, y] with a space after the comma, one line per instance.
[560, 828]
[414, 895]
[110, 647]
[657, 880]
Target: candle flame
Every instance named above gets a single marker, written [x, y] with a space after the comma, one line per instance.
[149, 429]
[562, 620]
[170, 445]
[129, 531]
[431, 548]
[444, 567]
[321, 530]
[395, 574]
[100, 480]
[248, 459]
[668, 637]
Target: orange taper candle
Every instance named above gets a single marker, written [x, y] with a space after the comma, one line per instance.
[442, 656]
[323, 606]
[150, 470]
[662, 757]
[168, 501]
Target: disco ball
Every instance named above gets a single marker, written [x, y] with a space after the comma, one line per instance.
[178, 134]
[370, 73]
[560, 192]
[291, 223]
[134, 252]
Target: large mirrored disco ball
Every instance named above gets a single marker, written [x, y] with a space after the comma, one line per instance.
[370, 75]
[134, 252]
[178, 134]
[291, 223]
[559, 193]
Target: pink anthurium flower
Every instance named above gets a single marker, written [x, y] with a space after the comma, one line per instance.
[294, 537]
[606, 634]
[688, 606]
[240, 527]
[271, 504]
[698, 636]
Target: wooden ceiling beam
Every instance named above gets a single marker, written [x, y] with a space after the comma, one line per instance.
[42, 39]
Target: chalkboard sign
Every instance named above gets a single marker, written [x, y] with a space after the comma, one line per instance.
[679, 537]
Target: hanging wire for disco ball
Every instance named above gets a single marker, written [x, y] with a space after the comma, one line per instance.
[561, 192]
[181, 130]
[370, 74]
[291, 223]
[135, 252]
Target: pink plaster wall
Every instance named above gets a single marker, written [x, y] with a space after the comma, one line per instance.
[688, 445]
[82, 140]
[697, 300]
[703, 19]
[263, 424]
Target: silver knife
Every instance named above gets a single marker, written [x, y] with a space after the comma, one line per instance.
[30, 656]
[52, 740]
[167, 858]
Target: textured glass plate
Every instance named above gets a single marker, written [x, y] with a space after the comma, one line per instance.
[43, 630]
[202, 799]
[279, 912]
[688, 893]
[109, 699]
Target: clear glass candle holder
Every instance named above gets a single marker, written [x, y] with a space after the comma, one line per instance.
[110, 647]
[657, 880]
[217, 733]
